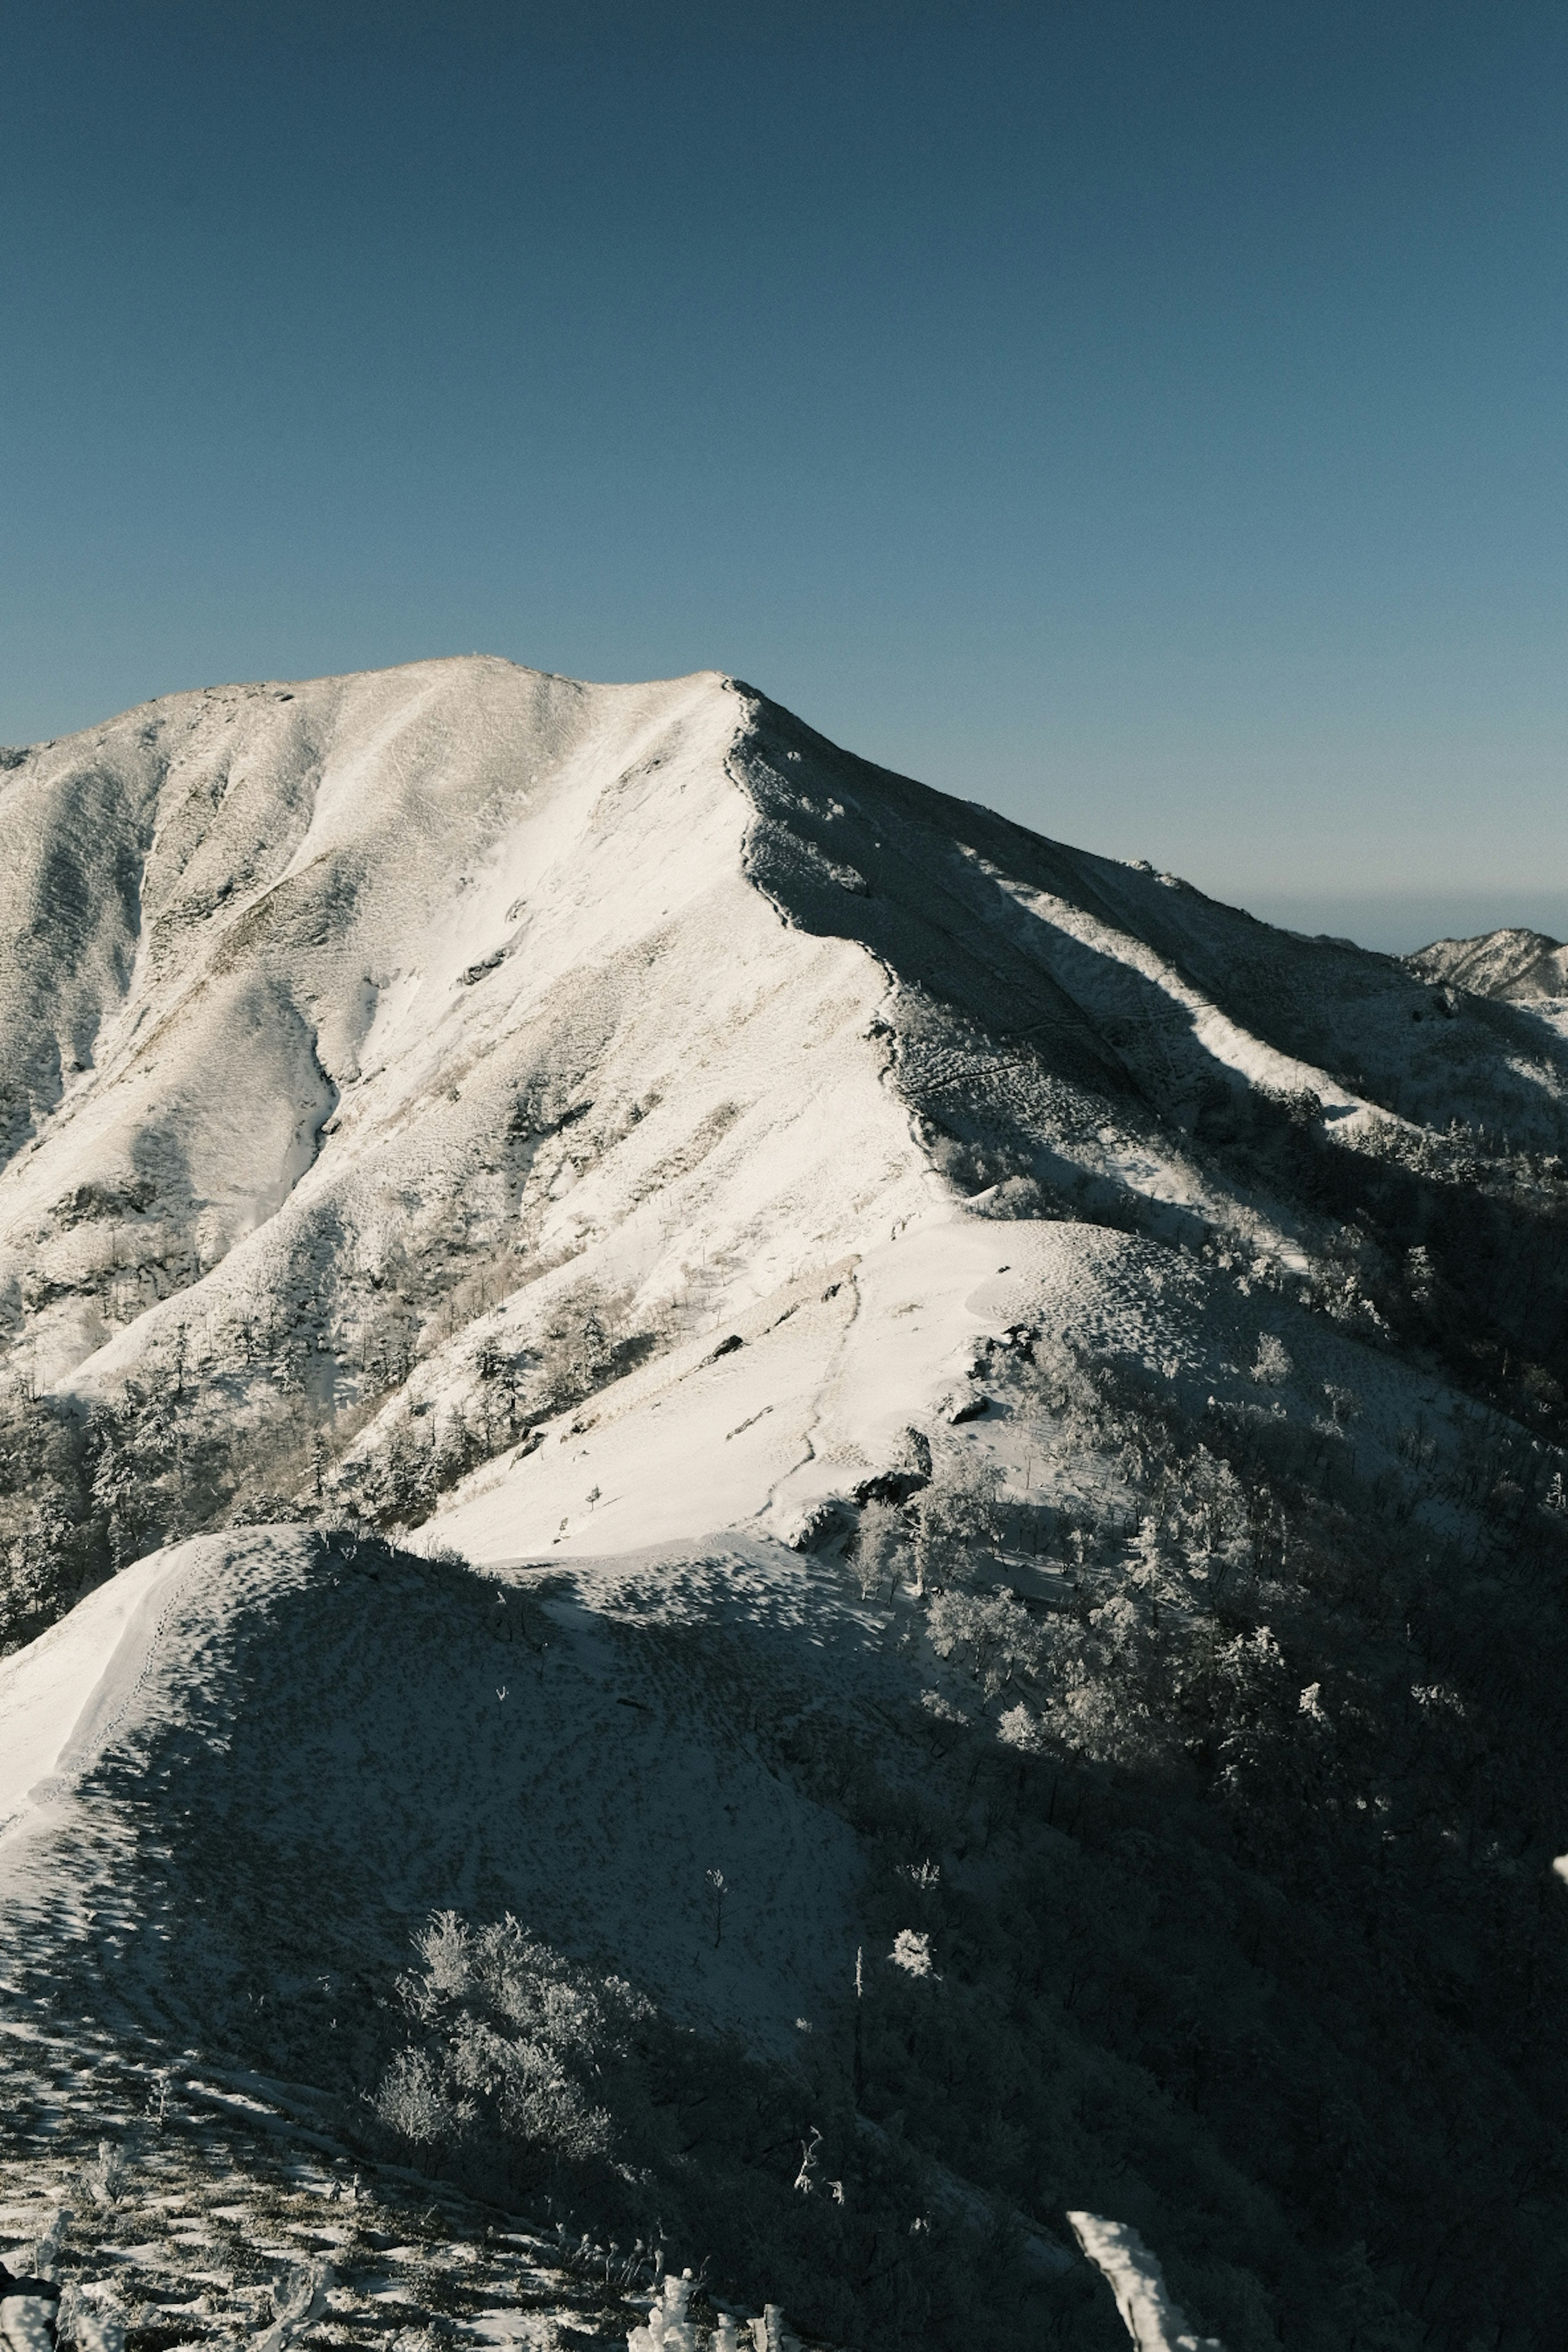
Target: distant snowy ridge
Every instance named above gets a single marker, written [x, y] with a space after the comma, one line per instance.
[1519, 967]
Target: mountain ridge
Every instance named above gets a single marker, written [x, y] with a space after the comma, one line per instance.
[681, 1307]
[1521, 966]
[427, 912]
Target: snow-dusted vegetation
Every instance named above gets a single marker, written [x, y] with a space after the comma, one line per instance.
[764, 1530]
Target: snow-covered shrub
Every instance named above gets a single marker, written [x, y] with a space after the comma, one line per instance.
[580, 1345]
[964, 1167]
[445, 1947]
[415, 2103]
[937, 1705]
[1421, 1274]
[911, 1952]
[993, 1633]
[262, 1508]
[1020, 1727]
[400, 1481]
[1015, 1196]
[441, 1555]
[513, 2033]
[108, 2178]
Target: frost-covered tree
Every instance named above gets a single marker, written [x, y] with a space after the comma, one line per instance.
[579, 1343]
[880, 1543]
[956, 1517]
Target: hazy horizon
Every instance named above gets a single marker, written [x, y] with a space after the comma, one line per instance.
[1396, 925]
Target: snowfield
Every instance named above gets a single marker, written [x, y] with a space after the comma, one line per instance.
[403, 1738]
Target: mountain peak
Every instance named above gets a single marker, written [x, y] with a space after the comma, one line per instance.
[1515, 966]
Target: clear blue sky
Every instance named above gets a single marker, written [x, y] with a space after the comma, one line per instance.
[1149, 419]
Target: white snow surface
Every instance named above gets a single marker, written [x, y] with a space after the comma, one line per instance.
[1154, 2323]
[817, 1397]
[369, 918]
[64, 1687]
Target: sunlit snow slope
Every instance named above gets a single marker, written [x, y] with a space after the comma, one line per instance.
[1517, 966]
[346, 1026]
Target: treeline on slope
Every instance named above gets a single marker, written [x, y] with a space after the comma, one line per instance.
[250, 1434]
[282, 1403]
[1213, 1893]
[532, 2079]
[1462, 1242]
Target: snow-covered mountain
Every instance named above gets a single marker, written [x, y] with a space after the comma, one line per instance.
[1519, 967]
[357, 1033]
[932, 1395]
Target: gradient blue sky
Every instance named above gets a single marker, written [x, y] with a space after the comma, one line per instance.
[1149, 419]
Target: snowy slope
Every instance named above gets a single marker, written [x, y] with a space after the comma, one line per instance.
[353, 1027]
[372, 917]
[1519, 967]
[396, 1739]
[370, 1044]
[56, 1695]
